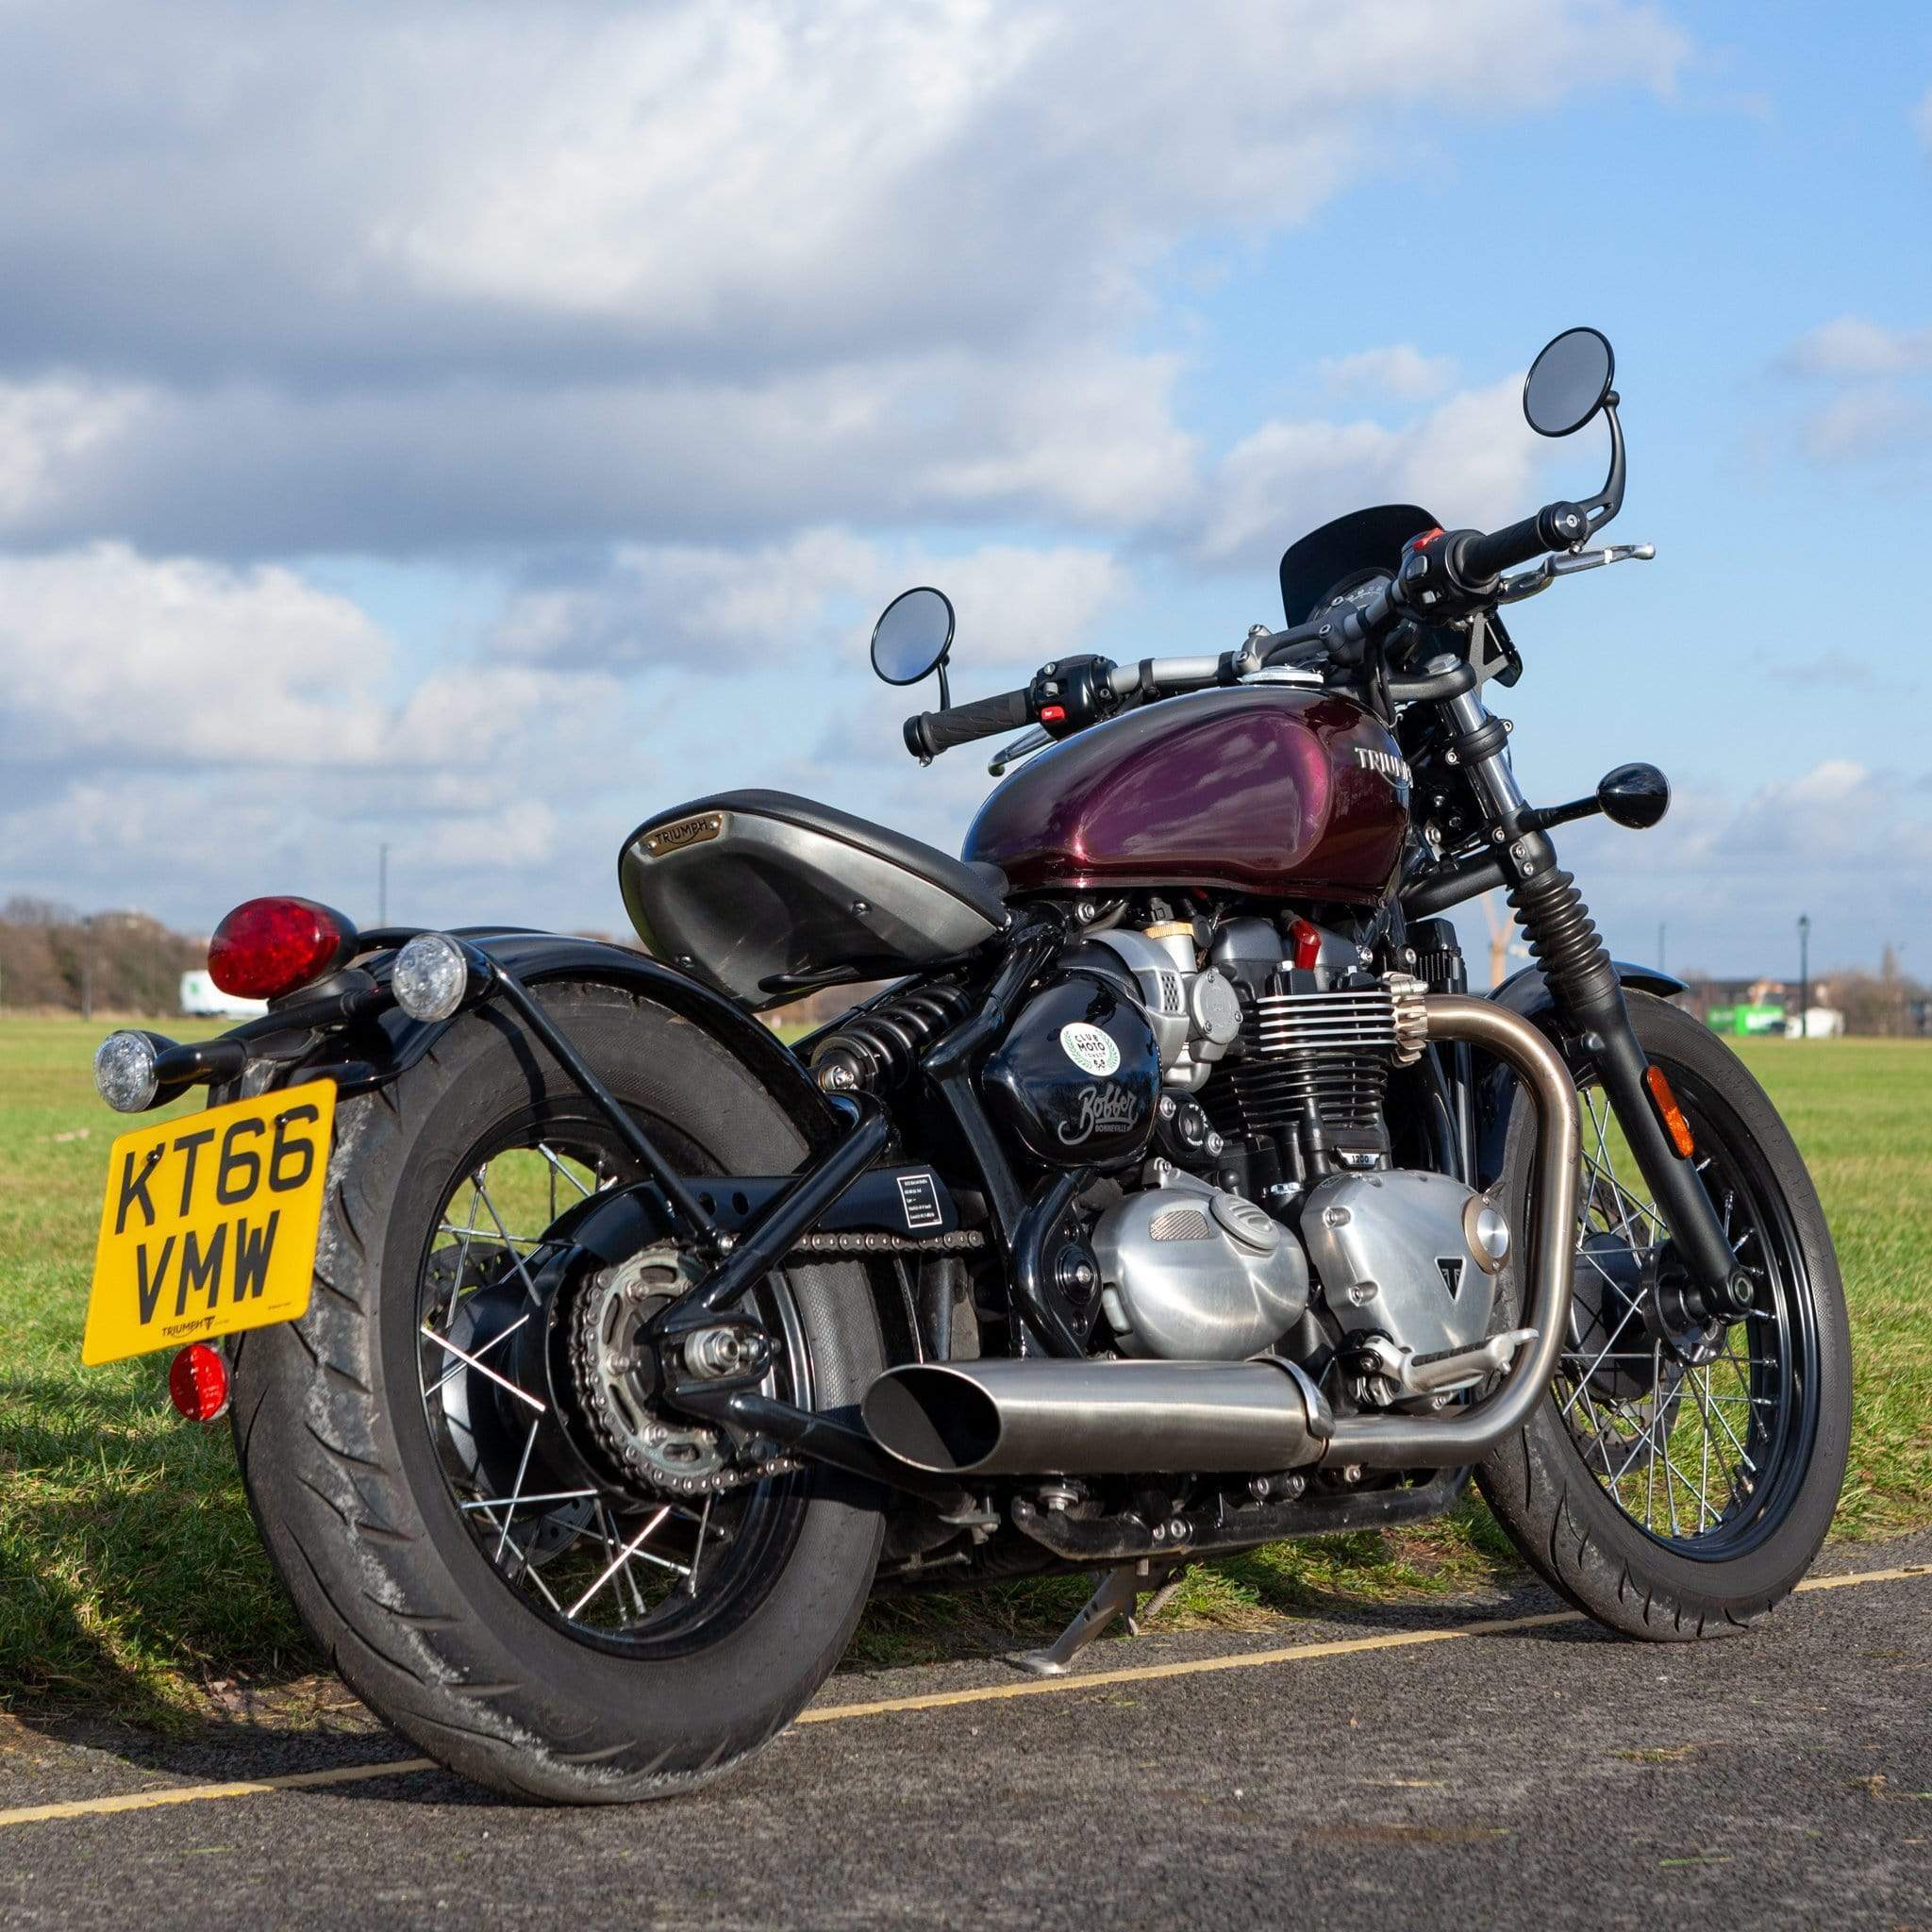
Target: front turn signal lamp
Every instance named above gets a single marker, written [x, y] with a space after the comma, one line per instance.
[1670, 1115]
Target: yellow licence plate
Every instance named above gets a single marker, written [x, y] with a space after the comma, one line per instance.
[210, 1224]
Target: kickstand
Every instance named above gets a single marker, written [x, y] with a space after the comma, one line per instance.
[1115, 1598]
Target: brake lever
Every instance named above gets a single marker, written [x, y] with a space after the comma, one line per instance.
[1530, 582]
[1027, 742]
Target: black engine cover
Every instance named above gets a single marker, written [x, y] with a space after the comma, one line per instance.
[1076, 1077]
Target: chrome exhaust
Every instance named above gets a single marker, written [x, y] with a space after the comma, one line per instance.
[1001, 1417]
[1032, 1416]
[1467, 1435]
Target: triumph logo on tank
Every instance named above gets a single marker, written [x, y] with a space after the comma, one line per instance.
[1384, 763]
[1103, 1110]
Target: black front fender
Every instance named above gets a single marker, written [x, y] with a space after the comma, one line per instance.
[1528, 993]
[390, 1043]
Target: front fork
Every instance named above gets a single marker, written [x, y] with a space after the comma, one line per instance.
[1590, 1000]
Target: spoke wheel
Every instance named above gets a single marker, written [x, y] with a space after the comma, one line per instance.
[461, 1527]
[1682, 1473]
[1688, 1425]
[530, 1418]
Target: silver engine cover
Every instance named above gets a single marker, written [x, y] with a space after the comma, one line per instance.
[1394, 1257]
[1191, 1273]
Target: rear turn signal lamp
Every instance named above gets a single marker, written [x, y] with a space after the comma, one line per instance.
[267, 947]
[1668, 1113]
[198, 1383]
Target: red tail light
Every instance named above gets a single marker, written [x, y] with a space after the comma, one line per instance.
[267, 947]
[198, 1383]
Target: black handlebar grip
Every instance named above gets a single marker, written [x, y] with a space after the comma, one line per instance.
[932, 732]
[1555, 526]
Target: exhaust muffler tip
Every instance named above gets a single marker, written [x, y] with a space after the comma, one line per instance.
[1059, 1417]
[933, 1417]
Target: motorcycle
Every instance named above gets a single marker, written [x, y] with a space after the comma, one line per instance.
[592, 1354]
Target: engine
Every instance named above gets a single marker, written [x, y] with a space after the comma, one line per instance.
[1271, 1191]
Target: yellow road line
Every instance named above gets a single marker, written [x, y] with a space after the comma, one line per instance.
[1186, 1667]
[937, 1700]
[191, 1795]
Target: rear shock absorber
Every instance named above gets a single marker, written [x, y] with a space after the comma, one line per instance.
[877, 1049]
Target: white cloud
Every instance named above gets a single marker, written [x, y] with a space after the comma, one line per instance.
[178, 661]
[454, 272]
[1848, 843]
[1401, 373]
[1471, 461]
[48, 431]
[724, 610]
[1866, 423]
[1921, 118]
[1851, 345]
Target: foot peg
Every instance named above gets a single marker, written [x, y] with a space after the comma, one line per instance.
[1119, 1590]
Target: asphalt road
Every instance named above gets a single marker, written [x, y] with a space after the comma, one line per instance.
[1358, 1770]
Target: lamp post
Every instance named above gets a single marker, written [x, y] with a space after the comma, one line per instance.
[1804, 976]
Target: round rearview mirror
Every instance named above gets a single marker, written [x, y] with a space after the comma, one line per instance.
[912, 636]
[1568, 382]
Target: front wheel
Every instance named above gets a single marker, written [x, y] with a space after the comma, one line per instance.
[1683, 1472]
[458, 1468]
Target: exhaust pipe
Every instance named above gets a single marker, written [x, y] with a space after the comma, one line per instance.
[1121, 1418]
[1468, 1435]
[1080, 1418]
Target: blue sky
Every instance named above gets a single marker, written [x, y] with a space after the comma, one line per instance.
[474, 428]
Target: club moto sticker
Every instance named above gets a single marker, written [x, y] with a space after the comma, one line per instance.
[1090, 1049]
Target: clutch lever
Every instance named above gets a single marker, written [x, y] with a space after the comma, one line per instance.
[1566, 563]
[1027, 742]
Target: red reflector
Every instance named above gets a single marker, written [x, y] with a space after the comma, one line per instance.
[1668, 1113]
[1052, 714]
[198, 1383]
[1306, 940]
[267, 947]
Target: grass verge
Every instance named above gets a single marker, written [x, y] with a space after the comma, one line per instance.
[132, 1584]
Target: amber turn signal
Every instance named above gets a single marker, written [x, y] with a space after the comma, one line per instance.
[1668, 1113]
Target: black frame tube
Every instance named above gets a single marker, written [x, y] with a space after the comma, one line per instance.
[683, 1202]
[766, 1243]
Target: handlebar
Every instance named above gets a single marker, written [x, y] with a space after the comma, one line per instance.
[1555, 526]
[932, 732]
[1470, 561]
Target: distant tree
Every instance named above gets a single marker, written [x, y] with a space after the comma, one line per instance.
[24, 909]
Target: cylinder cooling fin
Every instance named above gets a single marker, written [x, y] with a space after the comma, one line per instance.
[1314, 1070]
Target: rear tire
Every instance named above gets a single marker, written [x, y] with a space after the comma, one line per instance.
[354, 1503]
[1604, 1539]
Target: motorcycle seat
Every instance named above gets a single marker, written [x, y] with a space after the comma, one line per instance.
[761, 893]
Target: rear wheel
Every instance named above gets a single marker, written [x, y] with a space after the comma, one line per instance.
[1683, 1472]
[510, 1553]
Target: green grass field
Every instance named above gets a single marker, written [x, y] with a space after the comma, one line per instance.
[132, 1585]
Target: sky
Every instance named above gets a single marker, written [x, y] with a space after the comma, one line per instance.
[474, 427]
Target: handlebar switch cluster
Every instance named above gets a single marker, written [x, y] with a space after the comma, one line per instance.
[1071, 694]
[1424, 582]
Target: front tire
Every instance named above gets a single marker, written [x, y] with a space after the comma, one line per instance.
[344, 1438]
[1680, 1479]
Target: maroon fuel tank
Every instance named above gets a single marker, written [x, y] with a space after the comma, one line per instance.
[1272, 789]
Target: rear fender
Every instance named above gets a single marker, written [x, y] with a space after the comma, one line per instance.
[378, 1050]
